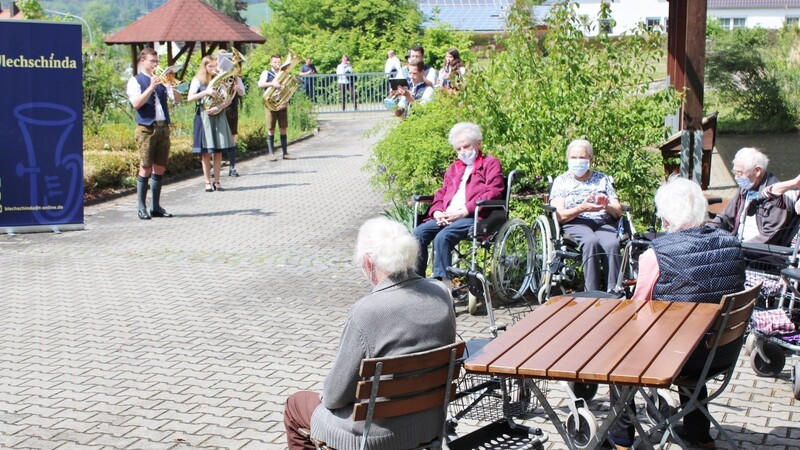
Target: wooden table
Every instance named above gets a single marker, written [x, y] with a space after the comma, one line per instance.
[626, 343]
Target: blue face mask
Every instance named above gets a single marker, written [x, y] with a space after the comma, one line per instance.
[744, 183]
[468, 158]
[578, 167]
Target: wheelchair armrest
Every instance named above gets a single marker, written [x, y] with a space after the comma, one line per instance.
[626, 208]
[549, 209]
[491, 203]
[714, 200]
[422, 198]
[791, 273]
[767, 249]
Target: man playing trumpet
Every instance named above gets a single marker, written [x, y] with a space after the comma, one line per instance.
[281, 116]
[149, 95]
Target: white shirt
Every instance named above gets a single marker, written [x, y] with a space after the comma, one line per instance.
[427, 95]
[342, 69]
[134, 90]
[459, 200]
[392, 63]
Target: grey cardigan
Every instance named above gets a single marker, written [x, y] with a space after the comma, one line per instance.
[403, 314]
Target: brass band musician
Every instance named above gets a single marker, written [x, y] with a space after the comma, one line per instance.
[281, 116]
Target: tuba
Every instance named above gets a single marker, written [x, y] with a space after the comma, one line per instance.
[224, 82]
[275, 99]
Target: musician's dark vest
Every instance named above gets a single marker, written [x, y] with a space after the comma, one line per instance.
[417, 90]
[146, 115]
[700, 265]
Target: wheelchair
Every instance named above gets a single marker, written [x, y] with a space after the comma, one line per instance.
[504, 243]
[556, 257]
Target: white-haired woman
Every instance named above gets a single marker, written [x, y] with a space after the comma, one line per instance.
[691, 263]
[472, 177]
[403, 314]
[588, 209]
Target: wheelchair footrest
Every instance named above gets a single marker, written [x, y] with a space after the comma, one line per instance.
[501, 434]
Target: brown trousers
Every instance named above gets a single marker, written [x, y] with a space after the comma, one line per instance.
[297, 414]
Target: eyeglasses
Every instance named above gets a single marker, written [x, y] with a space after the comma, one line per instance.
[739, 173]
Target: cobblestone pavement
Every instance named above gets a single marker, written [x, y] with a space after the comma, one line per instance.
[188, 333]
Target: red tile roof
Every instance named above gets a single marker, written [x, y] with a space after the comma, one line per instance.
[184, 21]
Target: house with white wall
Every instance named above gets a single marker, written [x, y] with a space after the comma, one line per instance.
[755, 13]
[628, 14]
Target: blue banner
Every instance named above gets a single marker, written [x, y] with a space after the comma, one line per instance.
[41, 126]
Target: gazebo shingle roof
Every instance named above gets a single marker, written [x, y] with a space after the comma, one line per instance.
[187, 21]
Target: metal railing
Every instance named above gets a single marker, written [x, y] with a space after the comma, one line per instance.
[352, 92]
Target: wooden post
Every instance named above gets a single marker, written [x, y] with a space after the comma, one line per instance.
[695, 64]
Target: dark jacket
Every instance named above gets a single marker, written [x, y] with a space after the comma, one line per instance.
[700, 265]
[771, 216]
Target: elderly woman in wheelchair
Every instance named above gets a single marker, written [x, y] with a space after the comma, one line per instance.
[691, 263]
[472, 177]
[587, 208]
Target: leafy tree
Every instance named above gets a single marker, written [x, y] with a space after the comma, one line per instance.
[31, 9]
[752, 70]
[230, 8]
[364, 30]
[534, 97]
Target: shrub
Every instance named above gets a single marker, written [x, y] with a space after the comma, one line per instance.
[753, 73]
[535, 97]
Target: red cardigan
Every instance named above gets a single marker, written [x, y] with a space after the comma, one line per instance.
[484, 183]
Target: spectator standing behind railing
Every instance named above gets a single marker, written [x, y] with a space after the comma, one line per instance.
[392, 66]
[403, 314]
[691, 263]
[417, 55]
[346, 82]
[419, 92]
[308, 82]
[452, 71]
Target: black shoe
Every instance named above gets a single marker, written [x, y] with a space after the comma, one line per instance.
[232, 172]
[160, 212]
[143, 214]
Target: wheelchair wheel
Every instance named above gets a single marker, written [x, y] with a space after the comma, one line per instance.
[796, 381]
[472, 303]
[665, 404]
[581, 428]
[586, 391]
[542, 238]
[774, 353]
[511, 261]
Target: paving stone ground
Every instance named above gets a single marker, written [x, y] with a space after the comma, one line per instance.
[189, 332]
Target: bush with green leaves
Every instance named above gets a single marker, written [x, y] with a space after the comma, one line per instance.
[532, 99]
[755, 73]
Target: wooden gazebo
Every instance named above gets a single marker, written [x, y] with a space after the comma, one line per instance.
[186, 23]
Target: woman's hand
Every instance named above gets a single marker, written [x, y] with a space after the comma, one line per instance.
[590, 204]
[446, 218]
[214, 110]
[211, 92]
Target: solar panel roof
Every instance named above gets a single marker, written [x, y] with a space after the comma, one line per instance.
[469, 18]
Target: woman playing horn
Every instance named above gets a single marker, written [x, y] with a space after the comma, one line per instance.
[212, 133]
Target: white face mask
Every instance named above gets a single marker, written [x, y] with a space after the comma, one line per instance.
[578, 167]
[468, 157]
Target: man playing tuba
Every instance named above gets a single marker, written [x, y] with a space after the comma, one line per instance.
[281, 116]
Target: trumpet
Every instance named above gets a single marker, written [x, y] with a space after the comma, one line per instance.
[167, 76]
